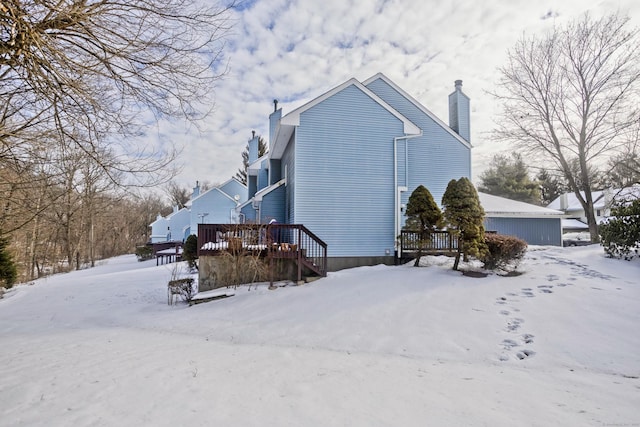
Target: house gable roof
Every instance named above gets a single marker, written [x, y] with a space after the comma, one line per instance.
[495, 206]
[217, 188]
[260, 194]
[421, 107]
[290, 121]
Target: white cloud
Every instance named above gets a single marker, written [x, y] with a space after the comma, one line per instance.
[294, 50]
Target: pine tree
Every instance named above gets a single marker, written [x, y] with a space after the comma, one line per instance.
[464, 215]
[241, 175]
[8, 271]
[509, 177]
[423, 216]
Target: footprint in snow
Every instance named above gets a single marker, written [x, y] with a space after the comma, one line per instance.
[525, 354]
[514, 324]
[527, 293]
[509, 344]
[545, 289]
[504, 312]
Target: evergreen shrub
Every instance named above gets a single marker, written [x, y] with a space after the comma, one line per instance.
[502, 251]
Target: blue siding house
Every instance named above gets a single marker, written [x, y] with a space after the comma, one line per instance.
[218, 205]
[535, 225]
[345, 163]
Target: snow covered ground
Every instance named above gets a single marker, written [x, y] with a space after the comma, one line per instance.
[373, 346]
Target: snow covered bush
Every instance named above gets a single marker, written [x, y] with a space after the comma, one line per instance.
[620, 236]
[503, 252]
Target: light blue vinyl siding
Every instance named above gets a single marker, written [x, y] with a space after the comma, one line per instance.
[276, 174]
[233, 188]
[435, 157]
[535, 231]
[252, 184]
[273, 123]
[288, 163]
[459, 114]
[249, 213]
[272, 205]
[216, 205]
[401, 156]
[178, 221]
[344, 186]
[263, 176]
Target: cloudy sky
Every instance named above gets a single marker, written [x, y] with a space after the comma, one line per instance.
[295, 50]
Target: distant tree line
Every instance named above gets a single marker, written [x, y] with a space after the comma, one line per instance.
[511, 177]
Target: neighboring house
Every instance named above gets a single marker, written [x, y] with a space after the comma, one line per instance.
[179, 224]
[217, 205]
[602, 203]
[533, 224]
[345, 164]
[159, 230]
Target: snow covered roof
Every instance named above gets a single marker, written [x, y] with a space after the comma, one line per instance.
[600, 198]
[573, 223]
[573, 204]
[495, 206]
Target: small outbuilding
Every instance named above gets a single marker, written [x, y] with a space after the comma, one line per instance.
[535, 225]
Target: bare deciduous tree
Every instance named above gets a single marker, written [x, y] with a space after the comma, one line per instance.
[571, 96]
[89, 70]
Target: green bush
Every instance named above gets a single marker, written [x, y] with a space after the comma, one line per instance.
[8, 271]
[503, 251]
[144, 253]
[190, 251]
[620, 236]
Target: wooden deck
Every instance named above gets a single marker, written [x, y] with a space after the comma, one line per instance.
[273, 241]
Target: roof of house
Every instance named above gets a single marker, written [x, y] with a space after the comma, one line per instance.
[574, 224]
[419, 105]
[218, 189]
[573, 204]
[495, 206]
[292, 119]
[599, 199]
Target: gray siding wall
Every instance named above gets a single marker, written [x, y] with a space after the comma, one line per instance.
[535, 231]
[433, 159]
[344, 174]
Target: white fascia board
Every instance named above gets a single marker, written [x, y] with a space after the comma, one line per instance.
[255, 167]
[419, 105]
[260, 194]
[523, 215]
[293, 118]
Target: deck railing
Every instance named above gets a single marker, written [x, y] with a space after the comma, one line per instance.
[440, 242]
[292, 241]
